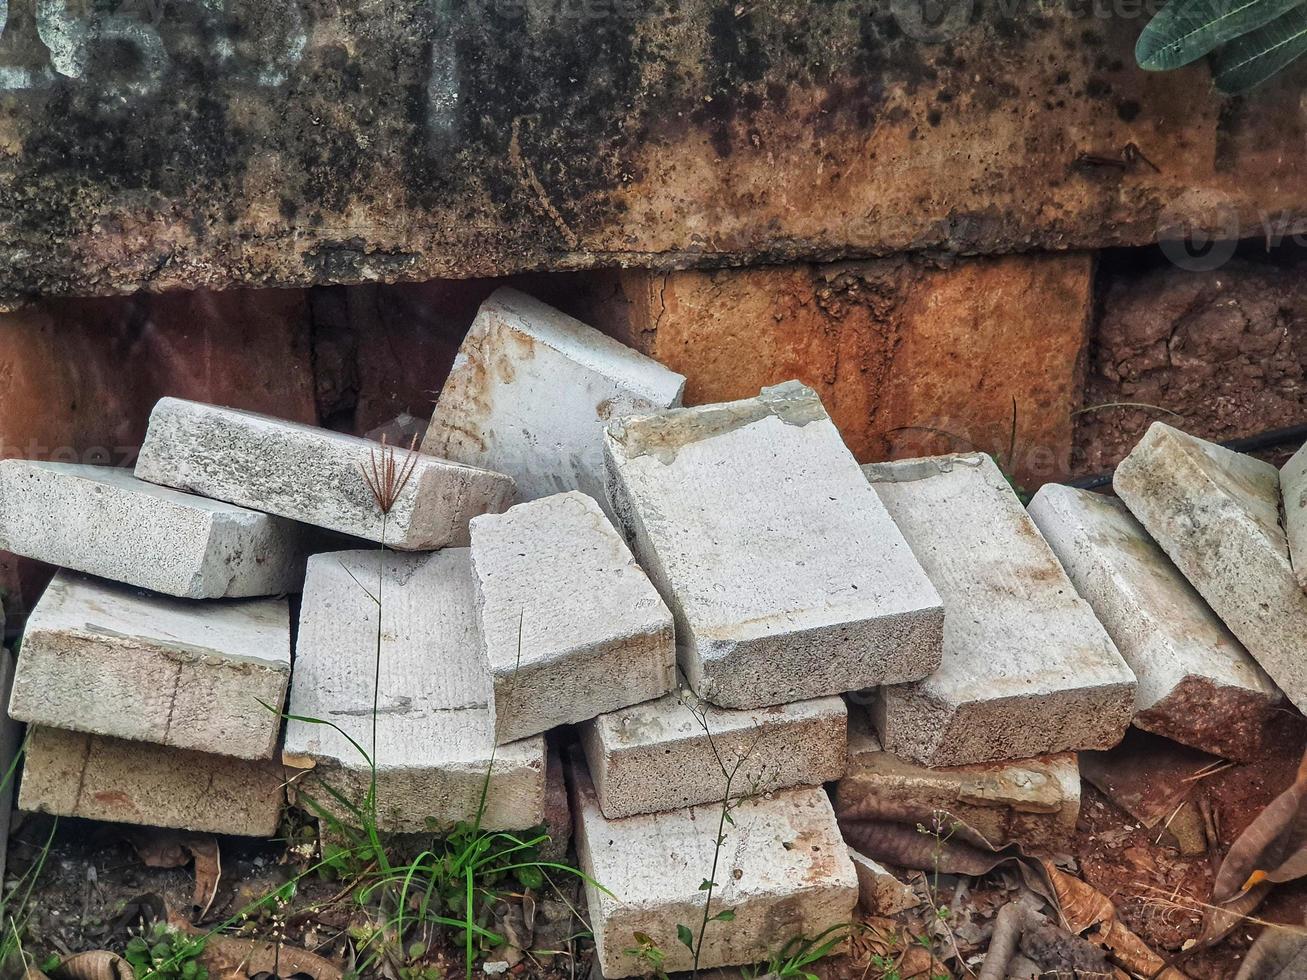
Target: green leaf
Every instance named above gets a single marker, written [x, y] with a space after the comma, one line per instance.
[1252, 59]
[644, 939]
[1185, 30]
[686, 937]
[530, 876]
[706, 884]
[725, 915]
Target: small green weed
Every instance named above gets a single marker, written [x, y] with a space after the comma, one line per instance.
[792, 960]
[161, 952]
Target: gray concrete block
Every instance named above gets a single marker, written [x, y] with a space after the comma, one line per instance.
[1293, 495]
[434, 738]
[1196, 682]
[313, 475]
[571, 627]
[657, 756]
[1216, 513]
[102, 520]
[787, 578]
[107, 659]
[1027, 668]
[73, 774]
[1033, 801]
[785, 872]
[530, 392]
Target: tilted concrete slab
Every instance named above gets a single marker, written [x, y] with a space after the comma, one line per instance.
[530, 392]
[1293, 495]
[314, 475]
[1033, 801]
[434, 739]
[1216, 513]
[103, 520]
[880, 892]
[73, 774]
[1196, 682]
[570, 625]
[658, 756]
[1027, 668]
[787, 577]
[103, 658]
[784, 870]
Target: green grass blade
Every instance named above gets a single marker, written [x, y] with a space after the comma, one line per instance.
[1185, 30]
[1252, 59]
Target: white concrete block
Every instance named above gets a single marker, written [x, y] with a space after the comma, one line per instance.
[313, 475]
[107, 659]
[434, 737]
[102, 520]
[1032, 801]
[72, 774]
[1027, 668]
[784, 870]
[571, 626]
[530, 392]
[1196, 682]
[787, 578]
[657, 756]
[881, 893]
[1216, 513]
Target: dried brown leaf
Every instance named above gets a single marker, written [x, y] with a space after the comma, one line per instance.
[1265, 844]
[1280, 953]
[97, 964]
[1221, 920]
[173, 849]
[228, 956]
[1084, 907]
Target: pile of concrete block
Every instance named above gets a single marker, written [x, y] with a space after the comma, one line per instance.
[707, 609]
[154, 668]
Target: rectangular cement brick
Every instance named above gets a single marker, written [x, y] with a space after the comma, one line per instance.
[434, 736]
[1196, 682]
[1033, 801]
[787, 578]
[106, 659]
[1216, 513]
[880, 893]
[785, 872]
[530, 391]
[1027, 669]
[571, 627]
[72, 774]
[102, 520]
[313, 475]
[656, 756]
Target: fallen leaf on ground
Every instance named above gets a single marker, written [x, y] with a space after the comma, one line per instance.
[1084, 908]
[173, 849]
[233, 959]
[1221, 920]
[1280, 953]
[1271, 848]
[97, 964]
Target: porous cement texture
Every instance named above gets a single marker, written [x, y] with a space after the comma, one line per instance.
[1027, 668]
[571, 627]
[1293, 489]
[787, 578]
[1032, 801]
[102, 520]
[531, 390]
[1196, 682]
[784, 870]
[316, 476]
[1216, 513]
[106, 659]
[73, 774]
[426, 691]
[677, 751]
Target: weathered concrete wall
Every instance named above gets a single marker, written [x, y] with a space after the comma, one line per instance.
[282, 142]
